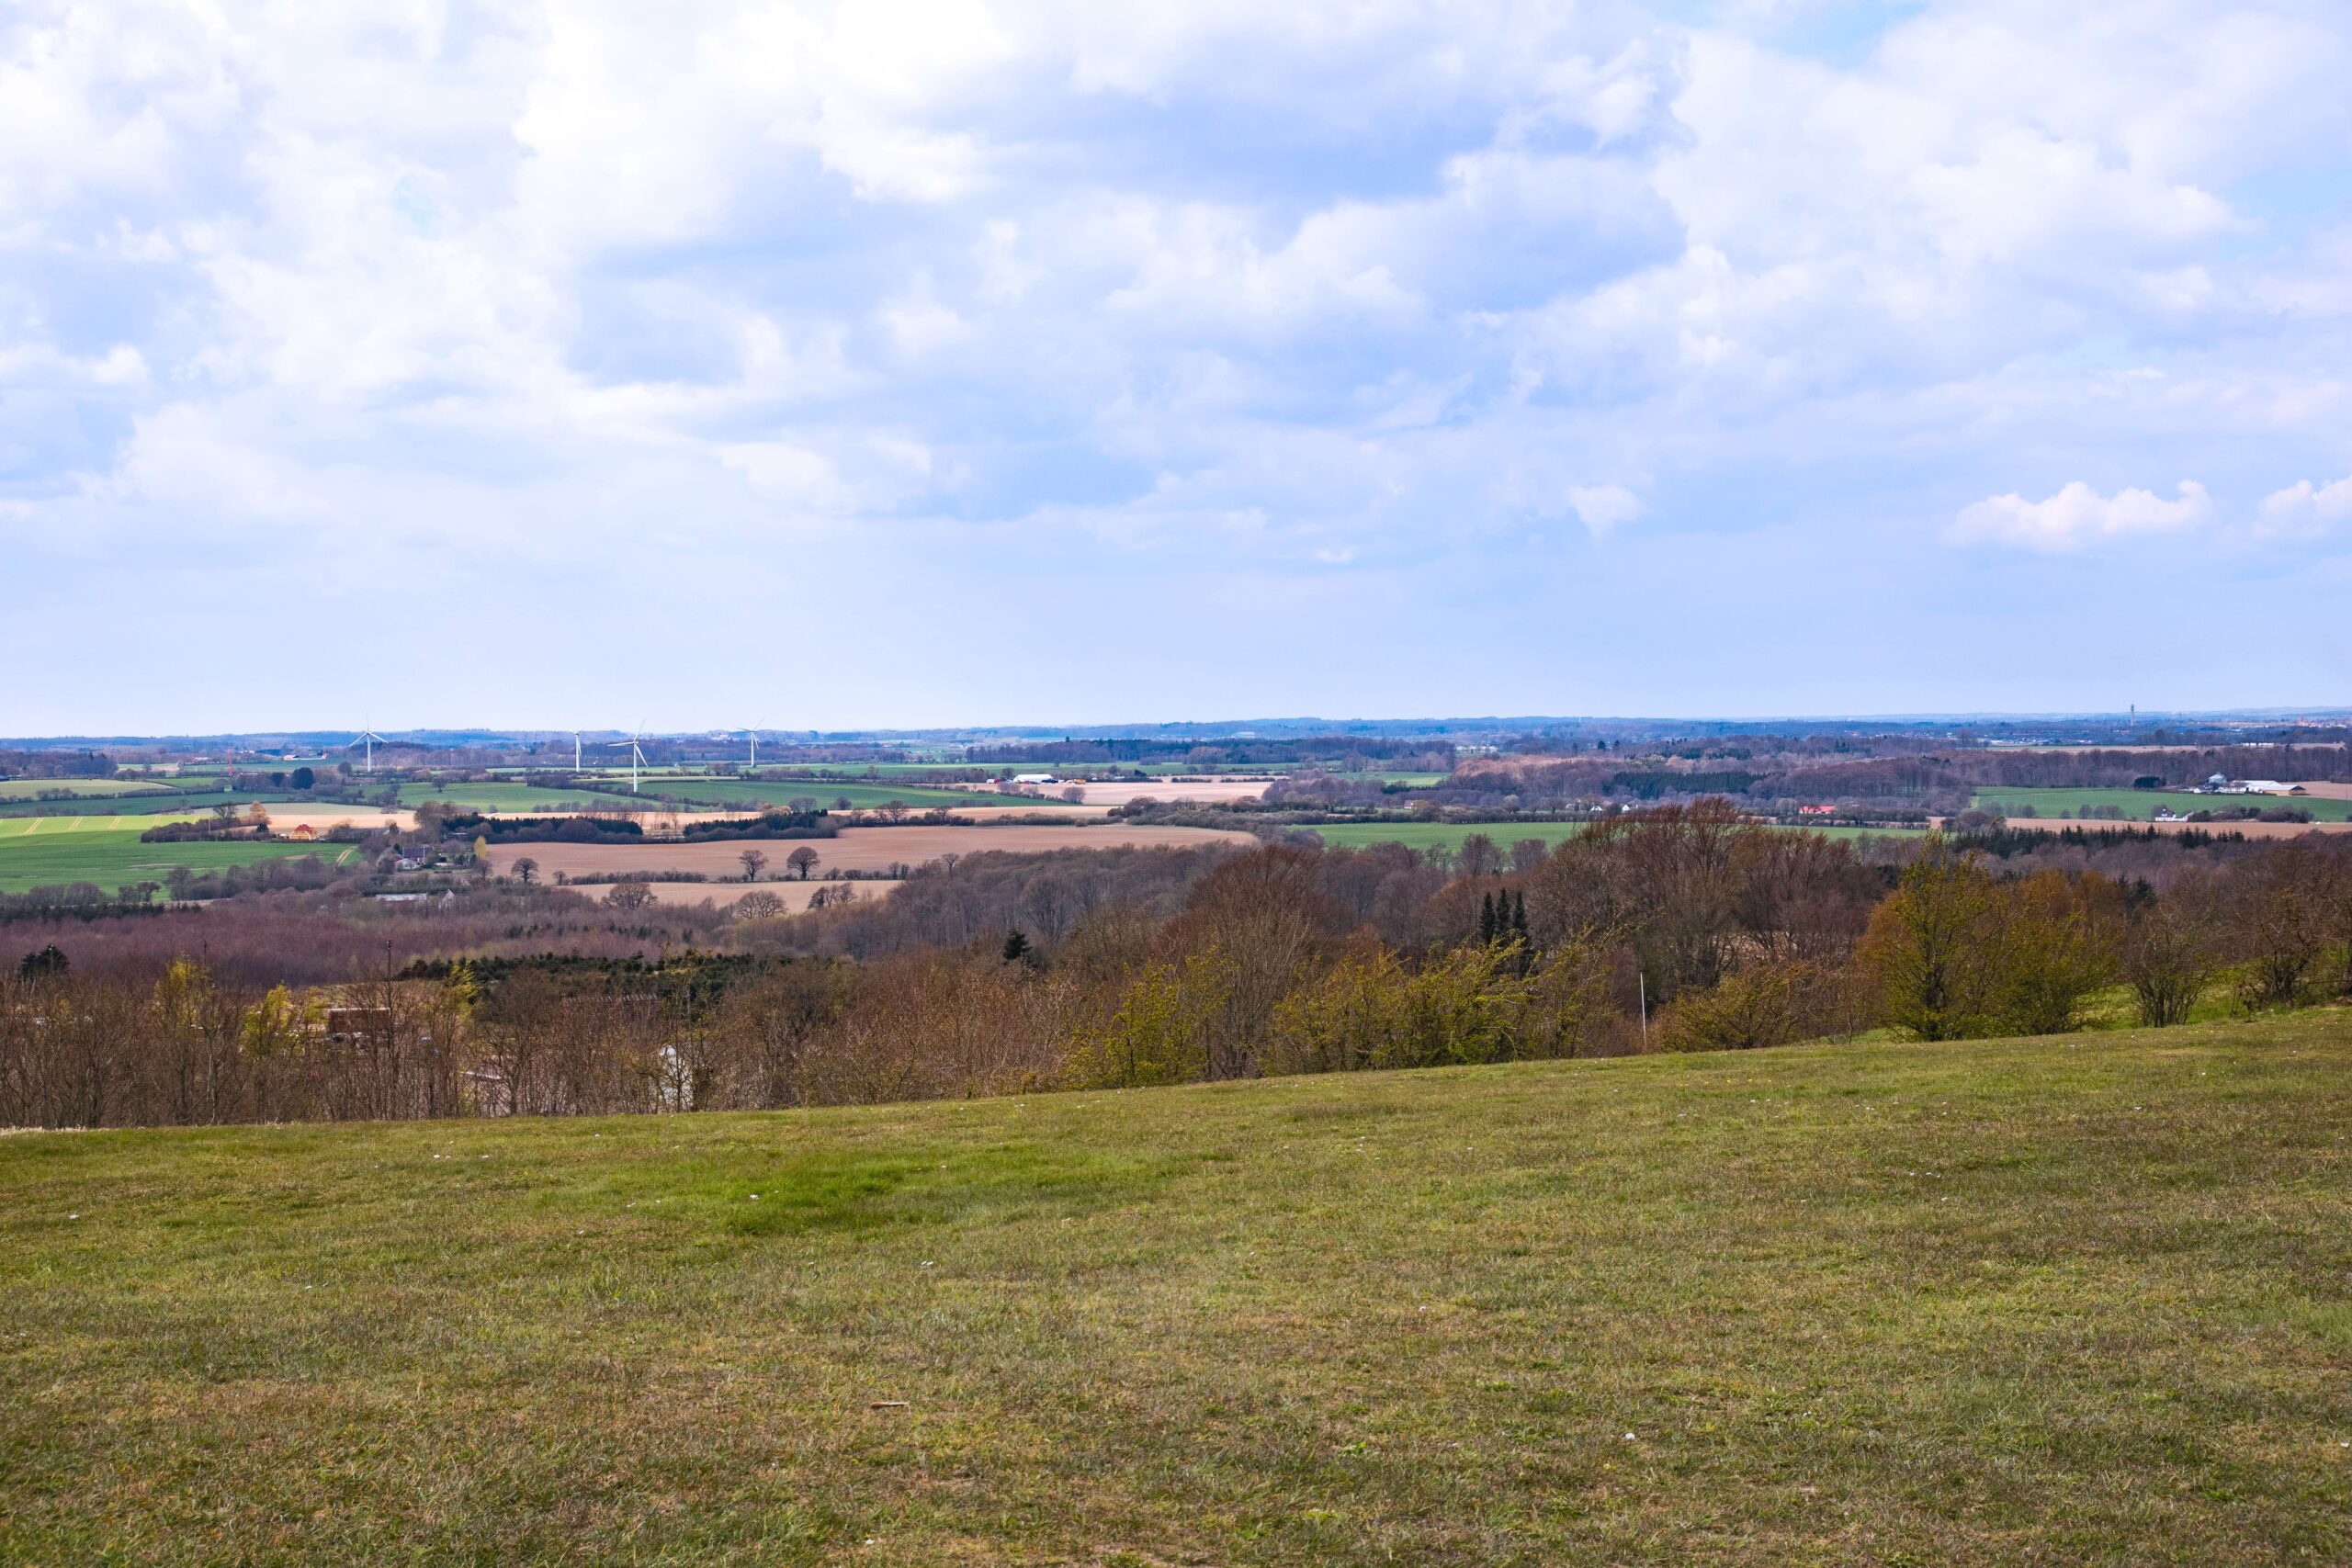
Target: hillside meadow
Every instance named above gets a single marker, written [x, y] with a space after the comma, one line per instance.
[2078, 1299]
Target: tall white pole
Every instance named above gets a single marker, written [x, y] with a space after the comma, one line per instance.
[575, 750]
[755, 748]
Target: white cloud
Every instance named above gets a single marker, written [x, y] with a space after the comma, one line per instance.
[1602, 507]
[1397, 283]
[2303, 508]
[2078, 516]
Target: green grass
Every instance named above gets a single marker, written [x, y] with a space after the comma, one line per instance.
[727, 794]
[2066, 1300]
[31, 789]
[41, 851]
[2140, 804]
[1440, 835]
[506, 797]
[150, 801]
[1449, 835]
[11, 828]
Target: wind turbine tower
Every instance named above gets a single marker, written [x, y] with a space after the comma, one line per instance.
[636, 755]
[367, 738]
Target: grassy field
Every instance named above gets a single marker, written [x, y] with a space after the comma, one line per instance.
[726, 792]
[145, 801]
[2140, 804]
[1428, 835]
[39, 851]
[31, 789]
[509, 797]
[2068, 1299]
[1437, 835]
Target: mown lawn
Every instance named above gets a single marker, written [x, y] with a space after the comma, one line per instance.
[2078, 1300]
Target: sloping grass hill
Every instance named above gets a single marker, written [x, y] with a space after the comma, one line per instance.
[2081, 1299]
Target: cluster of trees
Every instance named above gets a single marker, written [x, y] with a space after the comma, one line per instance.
[1680, 929]
[1957, 951]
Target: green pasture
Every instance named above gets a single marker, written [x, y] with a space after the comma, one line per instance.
[2067, 1301]
[727, 794]
[1449, 835]
[31, 789]
[2140, 804]
[1440, 835]
[499, 796]
[34, 853]
[165, 801]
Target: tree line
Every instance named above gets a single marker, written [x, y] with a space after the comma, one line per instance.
[1680, 929]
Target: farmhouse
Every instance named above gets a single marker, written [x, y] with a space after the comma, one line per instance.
[2222, 785]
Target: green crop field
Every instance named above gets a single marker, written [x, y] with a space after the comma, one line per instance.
[145, 801]
[31, 789]
[508, 797]
[1439, 835]
[727, 794]
[15, 828]
[2067, 1300]
[2140, 804]
[41, 850]
[1449, 835]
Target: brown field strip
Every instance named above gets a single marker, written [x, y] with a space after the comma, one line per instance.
[856, 849]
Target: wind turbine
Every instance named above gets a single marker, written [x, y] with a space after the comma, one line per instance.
[636, 755]
[575, 750]
[367, 737]
[754, 736]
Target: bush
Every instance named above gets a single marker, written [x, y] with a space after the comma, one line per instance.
[1769, 1004]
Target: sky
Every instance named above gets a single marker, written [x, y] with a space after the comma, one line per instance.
[902, 363]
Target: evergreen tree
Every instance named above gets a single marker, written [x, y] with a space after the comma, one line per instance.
[1487, 919]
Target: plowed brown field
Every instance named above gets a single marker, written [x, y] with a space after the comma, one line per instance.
[856, 849]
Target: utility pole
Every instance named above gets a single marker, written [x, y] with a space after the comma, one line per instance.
[1644, 980]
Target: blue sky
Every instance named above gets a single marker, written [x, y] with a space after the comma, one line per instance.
[896, 363]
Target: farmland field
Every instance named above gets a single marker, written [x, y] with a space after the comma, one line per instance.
[752, 794]
[145, 800]
[2139, 804]
[854, 849]
[119, 856]
[1440, 835]
[1449, 835]
[38, 851]
[510, 797]
[31, 789]
[2065, 1300]
[795, 894]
